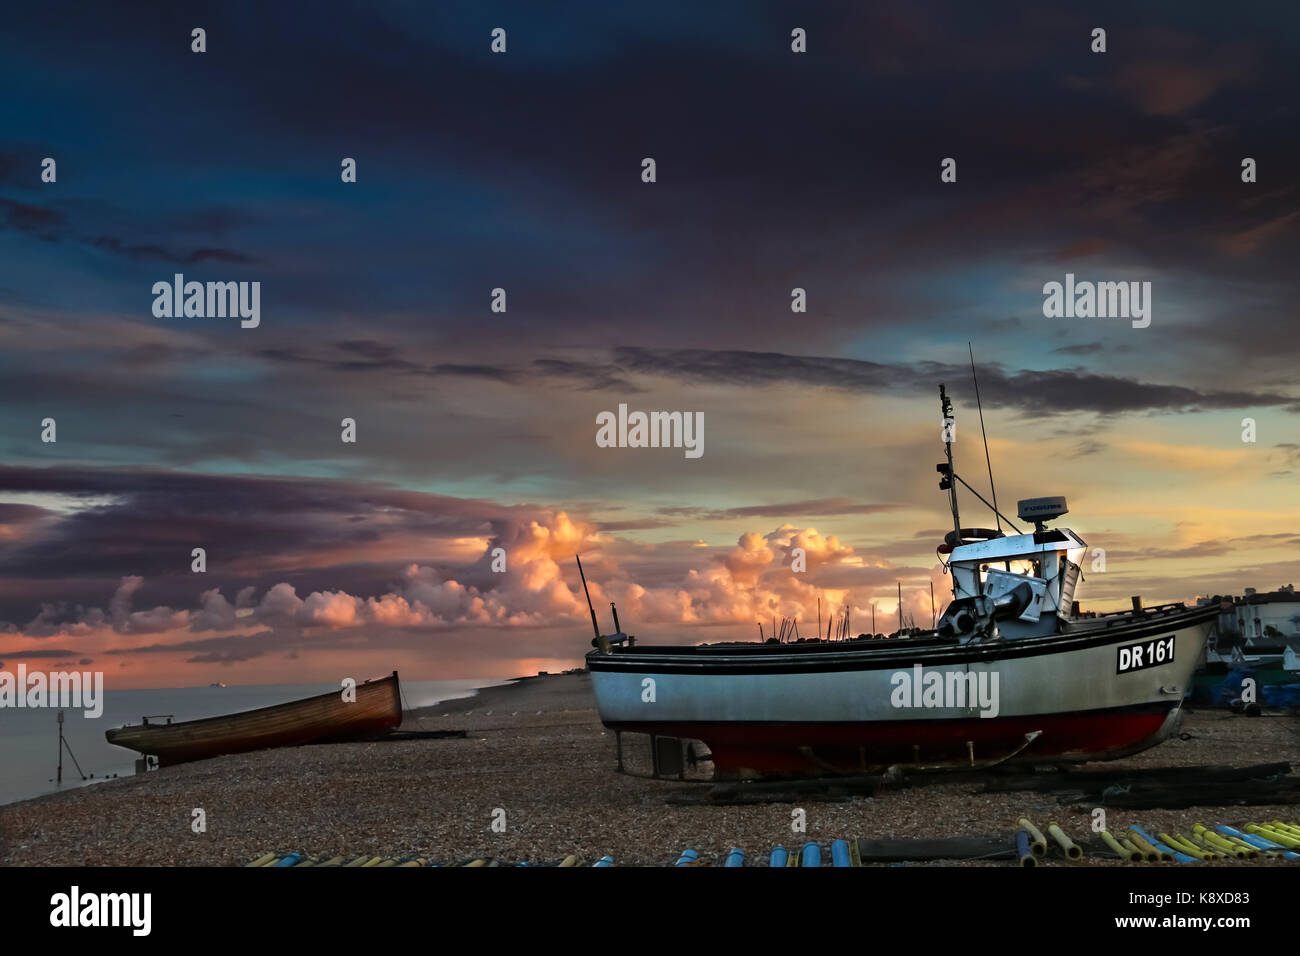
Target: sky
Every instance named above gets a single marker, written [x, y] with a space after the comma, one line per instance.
[523, 171]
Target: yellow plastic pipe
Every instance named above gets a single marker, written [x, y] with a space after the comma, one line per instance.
[388, 862]
[1198, 840]
[1267, 854]
[1185, 847]
[1273, 835]
[332, 861]
[358, 861]
[1281, 836]
[1127, 844]
[261, 860]
[1151, 852]
[478, 863]
[1072, 850]
[569, 860]
[1211, 839]
[1038, 843]
[1133, 856]
[374, 862]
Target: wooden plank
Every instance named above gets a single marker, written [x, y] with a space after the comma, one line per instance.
[1097, 780]
[1246, 794]
[946, 848]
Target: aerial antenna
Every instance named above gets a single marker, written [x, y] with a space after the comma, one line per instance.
[996, 517]
[594, 626]
[947, 482]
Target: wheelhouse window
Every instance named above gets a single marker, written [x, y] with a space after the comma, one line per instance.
[1029, 567]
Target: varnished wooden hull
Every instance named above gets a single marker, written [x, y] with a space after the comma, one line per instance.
[320, 719]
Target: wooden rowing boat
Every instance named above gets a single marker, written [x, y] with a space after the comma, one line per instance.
[322, 719]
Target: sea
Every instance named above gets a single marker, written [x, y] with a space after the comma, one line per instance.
[29, 737]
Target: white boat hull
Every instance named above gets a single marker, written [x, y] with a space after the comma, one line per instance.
[1086, 694]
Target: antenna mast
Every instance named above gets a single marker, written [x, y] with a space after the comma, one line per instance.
[948, 483]
[594, 626]
[996, 516]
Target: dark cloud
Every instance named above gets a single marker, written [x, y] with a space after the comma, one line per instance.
[143, 522]
[634, 524]
[488, 372]
[14, 513]
[791, 511]
[1052, 391]
[39, 221]
[219, 650]
[590, 375]
[41, 653]
[1082, 249]
[51, 225]
[9, 163]
[162, 254]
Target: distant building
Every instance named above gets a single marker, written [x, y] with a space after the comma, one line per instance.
[1273, 614]
[1261, 624]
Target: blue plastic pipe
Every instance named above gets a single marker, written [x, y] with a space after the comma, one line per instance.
[293, 859]
[687, 858]
[1023, 849]
[735, 858]
[1259, 842]
[1179, 856]
[840, 853]
[604, 861]
[812, 855]
[780, 857]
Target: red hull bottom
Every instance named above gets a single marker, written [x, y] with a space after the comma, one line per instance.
[845, 747]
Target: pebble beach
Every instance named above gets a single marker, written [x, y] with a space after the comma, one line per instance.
[535, 750]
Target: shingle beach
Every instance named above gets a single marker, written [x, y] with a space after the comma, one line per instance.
[536, 750]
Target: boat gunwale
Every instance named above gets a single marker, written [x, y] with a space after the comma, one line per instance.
[879, 654]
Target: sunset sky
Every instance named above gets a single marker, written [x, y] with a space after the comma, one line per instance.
[522, 171]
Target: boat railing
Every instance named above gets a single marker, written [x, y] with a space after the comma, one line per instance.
[1155, 610]
[145, 720]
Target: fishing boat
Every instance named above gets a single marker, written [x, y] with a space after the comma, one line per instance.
[326, 718]
[1011, 673]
